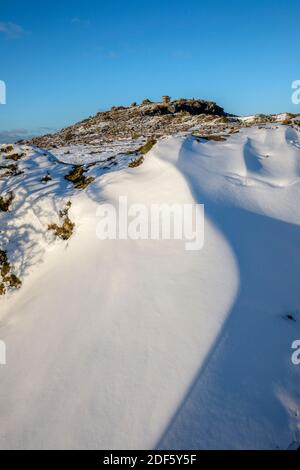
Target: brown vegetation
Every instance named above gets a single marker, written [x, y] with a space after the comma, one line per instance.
[8, 279]
[147, 147]
[137, 162]
[5, 201]
[65, 230]
[76, 176]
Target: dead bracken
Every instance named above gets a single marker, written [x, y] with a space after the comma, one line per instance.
[65, 230]
[9, 170]
[77, 177]
[5, 201]
[137, 162]
[14, 156]
[141, 152]
[68, 136]
[46, 178]
[215, 137]
[147, 147]
[7, 148]
[8, 280]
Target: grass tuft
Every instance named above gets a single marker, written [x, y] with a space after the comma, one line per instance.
[76, 176]
[137, 162]
[147, 147]
[8, 279]
[65, 230]
[6, 201]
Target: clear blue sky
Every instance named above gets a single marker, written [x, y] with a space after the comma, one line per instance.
[65, 60]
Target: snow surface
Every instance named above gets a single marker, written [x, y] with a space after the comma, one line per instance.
[83, 154]
[141, 344]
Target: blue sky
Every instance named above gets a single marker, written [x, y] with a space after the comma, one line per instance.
[65, 60]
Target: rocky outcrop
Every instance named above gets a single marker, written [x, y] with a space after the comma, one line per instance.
[193, 107]
[147, 119]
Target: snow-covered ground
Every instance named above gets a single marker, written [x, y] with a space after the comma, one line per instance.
[83, 154]
[141, 344]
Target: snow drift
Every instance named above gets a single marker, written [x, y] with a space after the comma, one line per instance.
[141, 344]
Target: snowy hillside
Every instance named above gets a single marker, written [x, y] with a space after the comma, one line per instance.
[142, 344]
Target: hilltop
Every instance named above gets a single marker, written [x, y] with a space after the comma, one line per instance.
[136, 121]
[125, 129]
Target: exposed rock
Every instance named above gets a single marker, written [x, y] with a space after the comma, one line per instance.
[148, 119]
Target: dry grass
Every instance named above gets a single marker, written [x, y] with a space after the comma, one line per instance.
[141, 152]
[8, 279]
[76, 176]
[65, 230]
[7, 148]
[147, 147]
[215, 137]
[14, 156]
[9, 170]
[68, 136]
[46, 178]
[137, 162]
[6, 201]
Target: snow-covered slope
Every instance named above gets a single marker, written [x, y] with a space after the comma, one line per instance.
[141, 344]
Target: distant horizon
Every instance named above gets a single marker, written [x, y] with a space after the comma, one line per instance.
[62, 65]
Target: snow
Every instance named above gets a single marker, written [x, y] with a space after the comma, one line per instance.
[141, 344]
[83, 154]
[248, 119]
